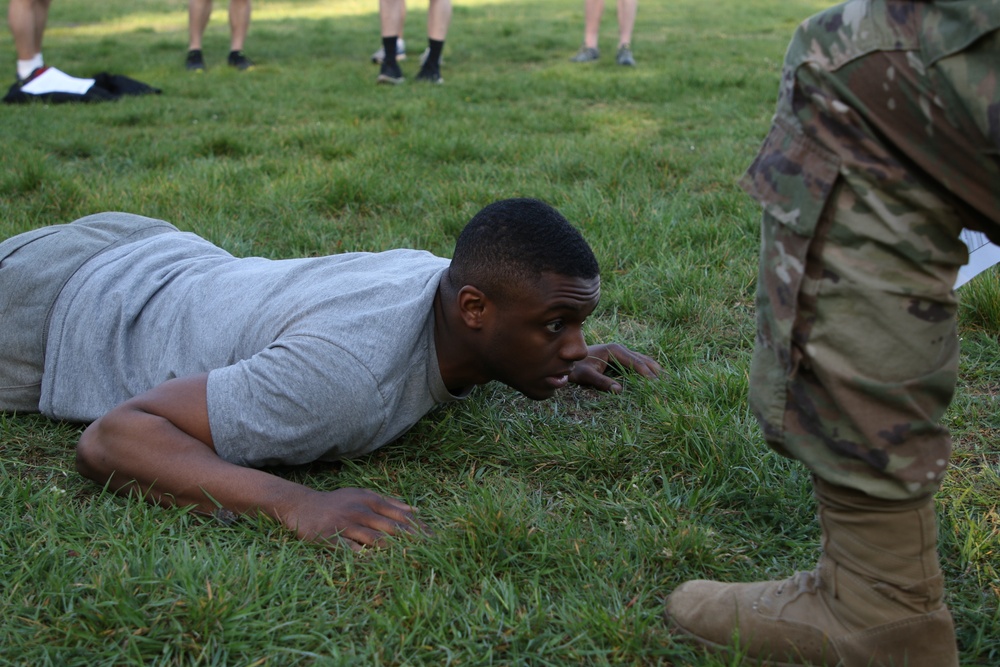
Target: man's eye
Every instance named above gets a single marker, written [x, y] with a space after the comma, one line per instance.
[555, 327]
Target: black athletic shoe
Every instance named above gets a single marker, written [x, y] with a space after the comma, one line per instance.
[195, 62]
[390, 74]
[239, 60]
[430, 72]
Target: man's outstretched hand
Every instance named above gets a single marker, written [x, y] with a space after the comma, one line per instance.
[591, 372]
[356, 518]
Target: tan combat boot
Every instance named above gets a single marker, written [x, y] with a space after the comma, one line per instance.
[874, 599]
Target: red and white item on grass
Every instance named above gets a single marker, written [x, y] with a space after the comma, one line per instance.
[49, 85]
[52, 80]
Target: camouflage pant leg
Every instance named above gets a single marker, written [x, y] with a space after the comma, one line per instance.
[884, 146]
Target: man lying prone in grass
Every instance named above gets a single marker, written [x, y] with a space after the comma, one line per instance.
[197, 367]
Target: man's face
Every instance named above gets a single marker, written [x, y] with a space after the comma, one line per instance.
[532, 341]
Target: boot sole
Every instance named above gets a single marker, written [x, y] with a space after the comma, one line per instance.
[679, 631]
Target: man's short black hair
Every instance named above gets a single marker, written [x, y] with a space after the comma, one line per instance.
[512, 242]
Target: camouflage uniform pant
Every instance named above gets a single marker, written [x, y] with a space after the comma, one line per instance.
[884, 146]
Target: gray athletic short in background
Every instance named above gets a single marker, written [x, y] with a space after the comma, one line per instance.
[34, 266]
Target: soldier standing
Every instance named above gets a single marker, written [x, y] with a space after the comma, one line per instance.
[884, 146]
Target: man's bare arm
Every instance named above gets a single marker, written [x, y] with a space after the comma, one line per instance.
[591, 371]
[159, 444]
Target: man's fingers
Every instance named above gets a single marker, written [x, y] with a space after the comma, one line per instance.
[610, 385]
[358, 518]
[587, 375]
[354, 546]
[336, 541]
[364, 537]
[379, 516]
[354, 536]
[640, 363]
[404, 514]
[395, 502]
[648, 368]
[653, 369]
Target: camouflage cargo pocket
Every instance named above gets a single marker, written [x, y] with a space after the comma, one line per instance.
[792, 177]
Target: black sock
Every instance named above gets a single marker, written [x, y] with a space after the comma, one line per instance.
[434, 57]
[389, 45]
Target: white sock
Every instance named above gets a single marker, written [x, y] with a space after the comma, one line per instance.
[26, 67]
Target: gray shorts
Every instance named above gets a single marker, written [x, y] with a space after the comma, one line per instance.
[34, 267]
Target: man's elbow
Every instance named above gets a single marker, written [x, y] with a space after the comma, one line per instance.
[92, 455]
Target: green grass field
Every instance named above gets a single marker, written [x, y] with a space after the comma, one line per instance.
[559, 526]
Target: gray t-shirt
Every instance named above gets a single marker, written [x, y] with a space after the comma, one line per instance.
[310, 359]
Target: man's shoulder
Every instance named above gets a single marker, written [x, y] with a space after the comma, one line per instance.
[400, 256]
[403, 269]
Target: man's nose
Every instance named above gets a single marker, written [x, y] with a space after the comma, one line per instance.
[575, 348]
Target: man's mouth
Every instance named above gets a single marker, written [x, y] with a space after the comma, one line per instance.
[558, 381]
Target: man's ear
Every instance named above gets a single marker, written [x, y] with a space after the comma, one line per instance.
[473, 306]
